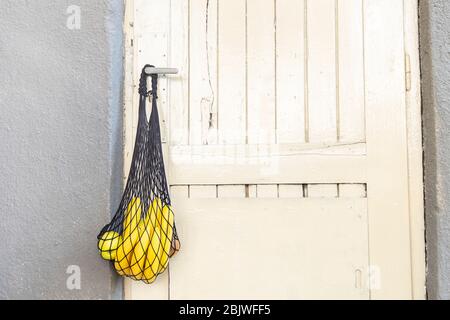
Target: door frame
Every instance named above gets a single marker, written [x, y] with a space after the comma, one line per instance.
[413, 132]
[415, 149]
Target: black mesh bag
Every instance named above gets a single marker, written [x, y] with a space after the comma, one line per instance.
[142, 236]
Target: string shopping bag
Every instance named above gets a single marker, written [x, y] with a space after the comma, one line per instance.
[142, 236]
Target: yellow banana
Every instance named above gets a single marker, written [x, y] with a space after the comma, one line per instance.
[121, 263]
[108, 243]
[155, 210]
[132, 216]
[118, 269]
[153, 218]
[166, 236]
[138, 258]
[125, 250]
[131, 226]
[143, 249]
[153, 257]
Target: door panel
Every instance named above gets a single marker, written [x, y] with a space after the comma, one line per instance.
[285, 139]
[270, 249]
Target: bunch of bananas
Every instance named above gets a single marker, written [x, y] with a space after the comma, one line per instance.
[143, 249]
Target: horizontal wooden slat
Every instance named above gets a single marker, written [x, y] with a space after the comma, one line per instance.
[274, 165]
[260, 150]
[323, 190]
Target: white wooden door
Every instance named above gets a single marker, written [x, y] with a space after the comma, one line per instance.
[292, 138]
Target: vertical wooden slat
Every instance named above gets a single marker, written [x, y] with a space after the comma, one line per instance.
[197, 59]
[231, 55]
[178, 85]
[290, 49]
[210, 128]
[178, 194]
[129, 100]
[389, 239]
[203, 72]
[129, 84]
[351, 71]
[151, 40]
[261, 115]
[252, 190]
[322, 70]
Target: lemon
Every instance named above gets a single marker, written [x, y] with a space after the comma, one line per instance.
[108, 243]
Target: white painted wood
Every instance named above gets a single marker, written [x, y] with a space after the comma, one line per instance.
[252, 191]
[290, 191]
[267, 191]
[152, 48]
[202, 168]
[387, 189]
[151, 41]
[179, 192]
[141, 291]
[413, 111]
[290, 71]
[255, 249]
[128, 94]
[268, 150]
[231, 191]
[232, 72]
[353, 190]
[200, 192]
[350, 54]
[203, 72]
[261, 89]
[322, 191]
[179, 85]
[321, 70]
[316, 66]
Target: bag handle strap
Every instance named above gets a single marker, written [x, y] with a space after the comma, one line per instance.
[144, 93]
[143, 83]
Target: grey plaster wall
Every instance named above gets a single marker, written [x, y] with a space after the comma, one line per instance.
[60, 145]
[435, 61]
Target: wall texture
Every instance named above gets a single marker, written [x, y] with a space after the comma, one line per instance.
[61, 140]
[435, 61]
